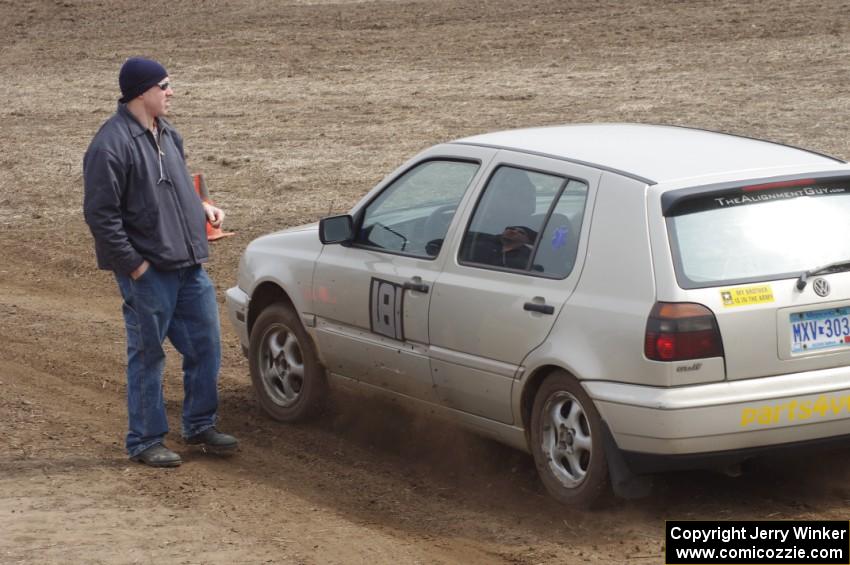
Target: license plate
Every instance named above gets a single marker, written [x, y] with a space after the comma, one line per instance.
[820, 329]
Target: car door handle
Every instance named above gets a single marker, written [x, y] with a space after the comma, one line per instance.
[537, 307]
[416, 284]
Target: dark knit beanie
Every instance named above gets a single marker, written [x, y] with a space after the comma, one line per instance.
[137, 75]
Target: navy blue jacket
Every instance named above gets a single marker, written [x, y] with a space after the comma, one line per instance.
[140, 203]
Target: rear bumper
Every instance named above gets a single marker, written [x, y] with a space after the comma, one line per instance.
[237, 310]
[738, 419]
[641, 463]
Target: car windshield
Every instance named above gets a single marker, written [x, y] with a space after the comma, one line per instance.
[739, 238]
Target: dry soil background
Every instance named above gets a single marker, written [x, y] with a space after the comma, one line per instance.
[294, 109]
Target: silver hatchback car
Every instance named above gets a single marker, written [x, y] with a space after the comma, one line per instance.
[616, 299]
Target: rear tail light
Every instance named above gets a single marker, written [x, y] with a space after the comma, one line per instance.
[677, 331]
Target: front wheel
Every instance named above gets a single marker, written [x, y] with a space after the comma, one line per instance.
[567, 442]
[286, 373]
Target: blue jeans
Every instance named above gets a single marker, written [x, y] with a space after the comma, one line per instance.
[180, 305]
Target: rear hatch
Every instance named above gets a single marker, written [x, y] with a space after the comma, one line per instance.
[771, 259]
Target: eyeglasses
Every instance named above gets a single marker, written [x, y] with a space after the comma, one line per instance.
[164, 85]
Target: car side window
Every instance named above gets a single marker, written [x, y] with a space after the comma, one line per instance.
[412, 215]
[558, 245]
[526, 221]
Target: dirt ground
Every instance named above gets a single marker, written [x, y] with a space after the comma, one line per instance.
[294, 109]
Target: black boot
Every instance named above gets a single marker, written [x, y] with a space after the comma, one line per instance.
[214, 441]
[158, 456]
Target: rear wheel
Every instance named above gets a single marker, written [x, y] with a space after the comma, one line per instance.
[285, 371]
[567, 442]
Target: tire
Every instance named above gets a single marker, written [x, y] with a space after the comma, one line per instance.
[567, 442]
[286, 373]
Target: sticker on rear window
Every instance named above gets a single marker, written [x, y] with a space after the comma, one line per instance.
[755, 197]
[677, 204]
[746, 295]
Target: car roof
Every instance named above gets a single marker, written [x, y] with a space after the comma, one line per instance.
[653, 153]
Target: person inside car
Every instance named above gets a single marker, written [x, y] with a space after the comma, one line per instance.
[511, 249]
[517, 245]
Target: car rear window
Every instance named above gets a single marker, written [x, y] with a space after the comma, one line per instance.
[759, 232]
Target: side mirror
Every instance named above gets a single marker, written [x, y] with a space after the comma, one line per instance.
[336, 229]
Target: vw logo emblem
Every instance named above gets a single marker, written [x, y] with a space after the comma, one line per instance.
[821, 287]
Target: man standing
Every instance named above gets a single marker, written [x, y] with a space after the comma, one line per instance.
[149, 229]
